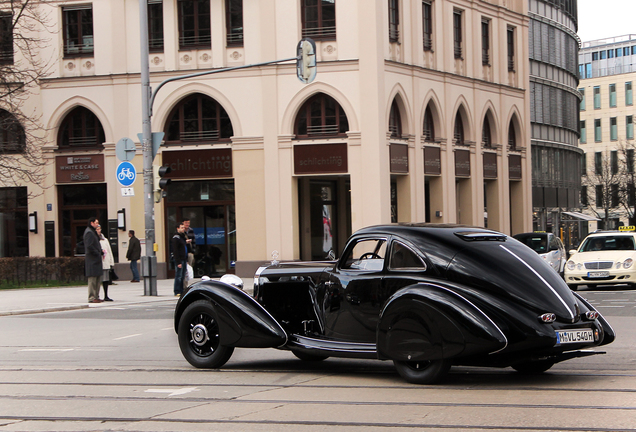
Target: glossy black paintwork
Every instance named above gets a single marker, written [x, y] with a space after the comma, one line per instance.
[477, 302]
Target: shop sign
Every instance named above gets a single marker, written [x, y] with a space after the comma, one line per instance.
[79, 169]
[320, 159]
[189, 164]
[490, 165]
[514, 167]
[432, 161]
[399, 154]
[462, 163]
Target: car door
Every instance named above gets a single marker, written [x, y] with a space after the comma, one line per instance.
[352, 297]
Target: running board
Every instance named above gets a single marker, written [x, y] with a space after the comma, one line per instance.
[331, 348]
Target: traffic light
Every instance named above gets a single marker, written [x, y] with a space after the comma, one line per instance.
[306, 60]
[161, 183]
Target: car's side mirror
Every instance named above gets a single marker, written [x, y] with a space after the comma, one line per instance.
[572, 252]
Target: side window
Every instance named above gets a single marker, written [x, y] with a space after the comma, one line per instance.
[366, 254]
[403, 258]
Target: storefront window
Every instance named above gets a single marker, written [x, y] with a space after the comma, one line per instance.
[14, 232]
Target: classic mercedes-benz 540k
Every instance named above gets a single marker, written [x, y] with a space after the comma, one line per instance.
[424, 296]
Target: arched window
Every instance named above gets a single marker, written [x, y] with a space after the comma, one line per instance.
[12, 136]
[395, 121]
[81, 128]
[512, 137]
[429, 126]
[198, 118]
[486, 137]
[458, 132]
[321, 115]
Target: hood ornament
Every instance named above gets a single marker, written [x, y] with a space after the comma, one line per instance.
[275, 257]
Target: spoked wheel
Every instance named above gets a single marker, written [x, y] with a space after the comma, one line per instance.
[309, 357]
[532, 368]
[424, 372]
[199, 337]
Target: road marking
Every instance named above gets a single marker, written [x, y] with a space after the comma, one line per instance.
[126, 337]
[168, 328]
[46, 349]
[173, 392]
[608, 306]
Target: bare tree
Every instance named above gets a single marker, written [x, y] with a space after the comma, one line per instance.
[603, 185]
[24, 25]
[627, 198]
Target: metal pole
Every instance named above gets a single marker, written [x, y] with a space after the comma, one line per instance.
[149, 262]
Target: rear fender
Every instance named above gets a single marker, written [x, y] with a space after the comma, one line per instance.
[608, 332]
[243, 322]
[429, 322]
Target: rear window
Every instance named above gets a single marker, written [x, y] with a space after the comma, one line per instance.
[536, 242]
[607, 243]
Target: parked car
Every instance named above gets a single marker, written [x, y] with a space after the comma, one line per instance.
[424, 296]
[548, 246]
[603, 258]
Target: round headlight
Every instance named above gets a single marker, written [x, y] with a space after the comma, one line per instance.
[628, 263]
[580, 266]
[571, 265]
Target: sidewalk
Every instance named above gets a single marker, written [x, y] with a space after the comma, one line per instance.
[38, 300]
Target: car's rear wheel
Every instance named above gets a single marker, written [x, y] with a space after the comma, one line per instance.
[199, 337]
[534, 367]
[424, 372]
[309, 357]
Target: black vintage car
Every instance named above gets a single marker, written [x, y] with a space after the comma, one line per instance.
[424, 296]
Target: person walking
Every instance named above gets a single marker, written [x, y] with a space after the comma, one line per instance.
[180, 254]
[133, 254]
[191, 244]
[107, 261]
[93, 260]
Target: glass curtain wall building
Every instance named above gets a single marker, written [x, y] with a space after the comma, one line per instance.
[554, 107]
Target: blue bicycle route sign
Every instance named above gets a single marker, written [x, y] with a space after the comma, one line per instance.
[126, 174]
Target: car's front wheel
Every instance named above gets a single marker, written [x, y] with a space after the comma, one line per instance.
[199, 337]
[424, 372]
[534, 367]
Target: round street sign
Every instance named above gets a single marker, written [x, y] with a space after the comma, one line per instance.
[126, 174]
[125, 149]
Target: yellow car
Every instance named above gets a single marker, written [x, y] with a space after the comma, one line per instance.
[603, 258]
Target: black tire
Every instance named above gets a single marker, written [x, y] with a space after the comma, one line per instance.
[573, 287]
[425, 372]
[591, 286]
[309, 357]
[199, 337]
[533, 368]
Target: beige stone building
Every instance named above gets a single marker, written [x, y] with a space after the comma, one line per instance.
[419, 113]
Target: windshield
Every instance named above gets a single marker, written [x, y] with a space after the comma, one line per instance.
[536, 242]
[608, 243]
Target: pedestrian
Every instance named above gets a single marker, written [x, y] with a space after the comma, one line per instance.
[93, 260]
[107, 261]
[133, 254]
[180, 254]
[191, 243]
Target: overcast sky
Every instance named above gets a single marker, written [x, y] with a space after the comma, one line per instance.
[599, 19]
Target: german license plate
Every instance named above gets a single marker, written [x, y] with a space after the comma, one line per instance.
[574, 336]
[598, 274]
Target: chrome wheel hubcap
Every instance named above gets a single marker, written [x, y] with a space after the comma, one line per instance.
[199, 334]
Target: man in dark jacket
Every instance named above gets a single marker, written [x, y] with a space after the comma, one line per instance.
[133, 254]
[93, 260]
[180, 254]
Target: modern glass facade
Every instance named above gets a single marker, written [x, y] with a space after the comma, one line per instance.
[554, 111]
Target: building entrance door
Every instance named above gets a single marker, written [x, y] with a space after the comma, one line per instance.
[215, 237]
[325, 216]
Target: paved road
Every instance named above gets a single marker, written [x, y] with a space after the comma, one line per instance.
[119, 368]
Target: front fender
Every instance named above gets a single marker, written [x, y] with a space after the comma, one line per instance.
[608, 332]
[430, 322]
[243, 322]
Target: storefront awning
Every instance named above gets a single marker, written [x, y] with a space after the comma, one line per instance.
[581, 216]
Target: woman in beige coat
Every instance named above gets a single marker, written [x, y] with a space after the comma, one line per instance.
[107, 262]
